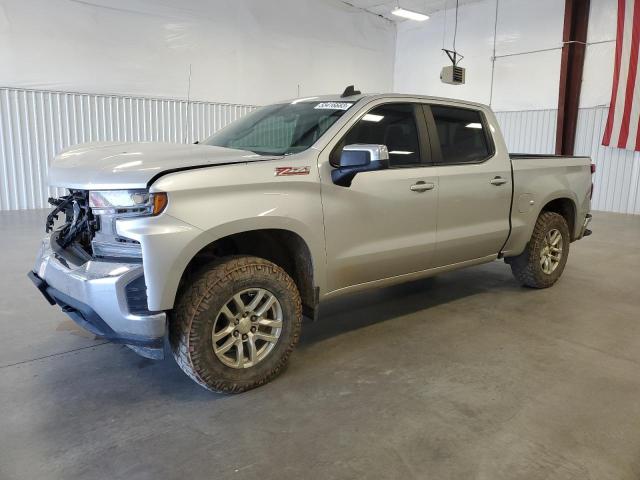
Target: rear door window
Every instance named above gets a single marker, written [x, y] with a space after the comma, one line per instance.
[462, 134]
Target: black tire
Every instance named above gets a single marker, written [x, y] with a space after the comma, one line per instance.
[192, 322]
[527, 267]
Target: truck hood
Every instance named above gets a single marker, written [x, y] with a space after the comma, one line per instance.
[109, 165]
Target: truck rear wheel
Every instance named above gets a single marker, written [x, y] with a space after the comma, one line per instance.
[236, 324]
[545, 256]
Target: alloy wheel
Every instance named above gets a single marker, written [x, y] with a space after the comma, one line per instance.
[551, 252]
[247, 328]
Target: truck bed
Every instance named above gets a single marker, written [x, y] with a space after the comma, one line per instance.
[536, 182]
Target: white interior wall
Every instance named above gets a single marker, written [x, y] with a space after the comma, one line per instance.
[528, 47]
[241, 51]
[419, 58]
[598, 62]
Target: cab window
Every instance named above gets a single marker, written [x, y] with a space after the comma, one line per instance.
[462, 134]
[393, 125]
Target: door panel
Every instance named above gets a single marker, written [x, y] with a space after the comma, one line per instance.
[379, 227]
[473, 214]
[474, 185]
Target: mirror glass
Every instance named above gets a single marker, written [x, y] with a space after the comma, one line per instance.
[355, 158]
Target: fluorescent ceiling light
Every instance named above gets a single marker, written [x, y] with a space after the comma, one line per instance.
[399, 152]
[410, 14]
[474, 125]
[370, 117]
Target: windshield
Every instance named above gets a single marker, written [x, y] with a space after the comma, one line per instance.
[280, 129]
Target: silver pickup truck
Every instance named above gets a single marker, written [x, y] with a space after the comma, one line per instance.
[224, 246]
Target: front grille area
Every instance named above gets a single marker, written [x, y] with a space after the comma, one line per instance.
[89, 233]
[107, 243]
[79, 225]
[136, 293]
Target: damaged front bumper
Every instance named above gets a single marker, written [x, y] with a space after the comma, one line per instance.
[106, 298]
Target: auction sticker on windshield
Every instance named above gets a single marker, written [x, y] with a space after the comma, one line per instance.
[333, 106]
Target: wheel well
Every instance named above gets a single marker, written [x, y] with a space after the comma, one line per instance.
[284, 248]
[566, 208]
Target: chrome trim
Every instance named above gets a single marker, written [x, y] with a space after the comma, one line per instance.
[422, 186]
[107, 243]
[377, 152]
[116, 249]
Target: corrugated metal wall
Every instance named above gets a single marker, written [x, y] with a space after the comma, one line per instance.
[530, 131]
[36, 125]
[617, 178]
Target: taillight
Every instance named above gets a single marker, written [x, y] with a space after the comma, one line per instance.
[593, 170]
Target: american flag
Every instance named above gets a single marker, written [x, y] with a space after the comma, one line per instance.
[624, 111]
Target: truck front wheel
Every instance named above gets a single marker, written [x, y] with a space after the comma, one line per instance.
[544, 258]
[236, 324]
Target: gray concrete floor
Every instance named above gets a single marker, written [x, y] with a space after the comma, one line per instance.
[462, 376]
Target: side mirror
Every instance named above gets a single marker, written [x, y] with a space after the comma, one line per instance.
[357, 158]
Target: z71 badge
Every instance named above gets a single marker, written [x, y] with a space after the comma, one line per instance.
[284, 171]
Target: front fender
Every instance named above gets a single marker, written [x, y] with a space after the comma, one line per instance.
[169, 244]
[229, 199]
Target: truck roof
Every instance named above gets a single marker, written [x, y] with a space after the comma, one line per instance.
[375, 96]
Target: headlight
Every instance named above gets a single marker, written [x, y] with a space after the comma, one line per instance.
[110, 206]
[133, 202]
